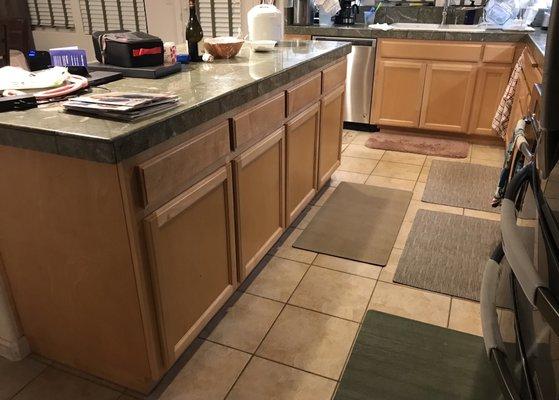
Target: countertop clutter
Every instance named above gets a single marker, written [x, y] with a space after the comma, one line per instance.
[206, 91]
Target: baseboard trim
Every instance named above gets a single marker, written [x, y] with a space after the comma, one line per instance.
[14, 351]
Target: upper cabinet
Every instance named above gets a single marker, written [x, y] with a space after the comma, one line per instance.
[447, 96]
[398, 93]
[439, 85]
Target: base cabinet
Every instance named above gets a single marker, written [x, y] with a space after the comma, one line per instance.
[398, 93]
[191, 250]
[330, 139]
[491, 83]
[259, 200]
[301, 167]
[447, 96]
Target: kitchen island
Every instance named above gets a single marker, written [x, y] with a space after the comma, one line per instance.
[119, 241]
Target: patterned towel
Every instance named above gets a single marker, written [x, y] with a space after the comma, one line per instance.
[501, 119]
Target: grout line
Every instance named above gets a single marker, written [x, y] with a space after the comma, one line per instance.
[449, 312]
[28, 383]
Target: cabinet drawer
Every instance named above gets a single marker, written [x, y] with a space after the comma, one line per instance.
[531, 70]
[303, 95]
[422, 50]
[170, 171]
[333, 76]
[499, 53]
[258, 120]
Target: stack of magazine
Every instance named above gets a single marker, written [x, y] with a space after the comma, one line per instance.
[122, 106]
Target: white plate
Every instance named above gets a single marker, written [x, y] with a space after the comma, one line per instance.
[263, 45]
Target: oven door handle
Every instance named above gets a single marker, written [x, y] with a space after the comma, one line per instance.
[494, 344]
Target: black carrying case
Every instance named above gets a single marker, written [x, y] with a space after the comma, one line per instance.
[128, 49]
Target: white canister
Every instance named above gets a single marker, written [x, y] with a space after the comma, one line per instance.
[265, 22]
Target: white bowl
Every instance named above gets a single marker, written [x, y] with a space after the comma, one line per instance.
[263, 45]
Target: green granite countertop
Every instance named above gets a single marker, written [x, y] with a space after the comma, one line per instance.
[206, 91]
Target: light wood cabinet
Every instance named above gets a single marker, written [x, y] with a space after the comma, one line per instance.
[491, 83]
[398, 93]
[259, 200]
[447, 96]
[190, 243]
[330, 138]
[301, 156]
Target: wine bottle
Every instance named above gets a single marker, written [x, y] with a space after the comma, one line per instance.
[194, 34]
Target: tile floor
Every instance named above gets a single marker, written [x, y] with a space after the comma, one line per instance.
[289, 329]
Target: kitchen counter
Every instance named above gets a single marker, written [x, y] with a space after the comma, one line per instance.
[537, 38]
[205, 90]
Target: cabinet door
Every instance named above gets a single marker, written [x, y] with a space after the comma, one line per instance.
[520, 106]
[447, 96]
[397, 93]
[301, 156]
[259, 200]
[490, 86]
[330, 137]
[190, 243]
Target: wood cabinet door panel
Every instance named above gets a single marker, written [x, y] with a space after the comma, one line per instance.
[397, 93]
[447, 96]
[330, 138]
[301, 157]
[190, 244]
[491, 83]
[259, 200]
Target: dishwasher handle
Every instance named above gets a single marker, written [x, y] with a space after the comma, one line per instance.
[354, 41]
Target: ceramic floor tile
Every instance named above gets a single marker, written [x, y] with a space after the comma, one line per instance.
[482, 214]
[416, 205]
[348, 136]
[310, 341]
[206, 372]
[424, 174]
[429, 159]
[494, 153]
[418, 191]
[489, 163]
[397, 170]
[243, 322]
[14, 375]
[278, 279]
[349, 266]
[465, 317]
[405, 158]
[361, 138]
[359, 165]
[264, 380]
[344, 176]
[387, 273]
[419, 305]
[392, 183]
[356, 150]
[54, 384]
[325, 195]
[284, 248]
[334, 293]
[307, 217]
[403, 235]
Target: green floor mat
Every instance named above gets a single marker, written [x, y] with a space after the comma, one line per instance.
[399, 359]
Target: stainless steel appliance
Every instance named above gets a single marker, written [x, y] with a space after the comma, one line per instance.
[303, 12]
[523, 344]
[359, 79]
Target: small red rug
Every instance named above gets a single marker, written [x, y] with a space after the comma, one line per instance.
[430, 146]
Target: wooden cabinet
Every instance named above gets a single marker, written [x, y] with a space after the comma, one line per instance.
[259, 200]
[330, 138]
[398, 93]
[190, 243]
[440, 85]
[447, 96]
[491, 83]
[301, 167]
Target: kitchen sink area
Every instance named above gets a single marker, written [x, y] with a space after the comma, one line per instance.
[438, 27]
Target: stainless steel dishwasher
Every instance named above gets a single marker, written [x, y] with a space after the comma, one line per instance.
[359, 79]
